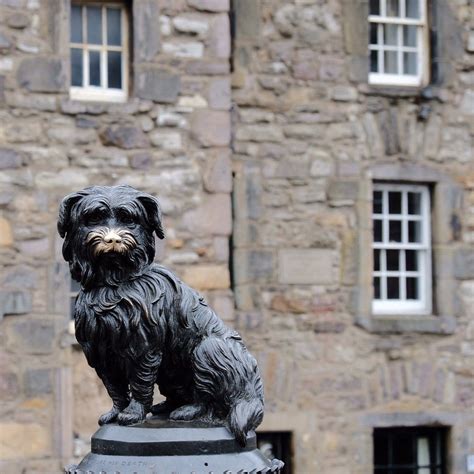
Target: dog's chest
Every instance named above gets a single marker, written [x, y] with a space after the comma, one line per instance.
[123, 317]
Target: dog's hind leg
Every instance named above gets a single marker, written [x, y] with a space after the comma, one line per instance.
[189, 412]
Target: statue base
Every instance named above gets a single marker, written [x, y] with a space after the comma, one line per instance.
[162, 446]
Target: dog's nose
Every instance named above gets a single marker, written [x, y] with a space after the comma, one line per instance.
[112, 238]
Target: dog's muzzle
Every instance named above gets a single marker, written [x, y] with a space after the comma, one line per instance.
[105, 240]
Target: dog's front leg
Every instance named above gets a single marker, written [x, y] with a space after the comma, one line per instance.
[142, 381]
[117, 388]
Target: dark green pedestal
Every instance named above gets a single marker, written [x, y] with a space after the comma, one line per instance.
[165, 447]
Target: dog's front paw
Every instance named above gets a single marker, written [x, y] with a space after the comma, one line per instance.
[134, 413]
[187, 412]
[110, 416]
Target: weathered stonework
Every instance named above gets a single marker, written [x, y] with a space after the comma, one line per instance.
[287, 174]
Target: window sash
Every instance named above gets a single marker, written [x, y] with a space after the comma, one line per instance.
[380, 77]
[102, 92]
[401, 305]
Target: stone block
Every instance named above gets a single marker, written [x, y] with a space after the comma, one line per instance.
[195, 25]
[15, 302]
[207, 277]
[23, 440]
[37, 382]
[126, 137]
[6, 233]
[32, 336]
[166, 140]
[253, 266]
[219, 46]
[141, 161]
[344, 94]
[218, 173]
[355, 26]
[464, 264]
[188, 49]
[9, 386]
[207, 67]
[212, 217]
[5, 43]
[211, 127]
[42, 74]
[18, 20]
[10, 159]
[66, 178]
[343, 192]
[259, 133]
[219, 94]
[247, 19]
[306, 266]
[210, 5]
[159, 86]
[146, 34]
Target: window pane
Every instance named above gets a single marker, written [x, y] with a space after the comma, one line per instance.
[412, 288]
[76, 24]
[393, 260]
[390, 35]
[377, 230]
[381, 450]
[114, 33]
[393, 7]
[374, 7]
[377, 202]
[412, 8]
[411, 260]
[94, 25]
[374, 65]
[409, 36]
[94, 68]
[409, 63]
[114, 69]
[414, 203]
[393, 290]
[76, 67]
[395, 202]
[414, 231]
[373, 33]
[377, 288]
[395, 231]
[403, 450]
[391, 64]
[376, 260]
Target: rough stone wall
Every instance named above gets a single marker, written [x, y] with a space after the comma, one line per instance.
[303, 140]
[309, 135]
[171, 139]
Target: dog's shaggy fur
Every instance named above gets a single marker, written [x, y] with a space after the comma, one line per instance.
[138, 324]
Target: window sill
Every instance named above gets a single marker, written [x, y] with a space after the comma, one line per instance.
[392, 91]
[396, 324]
[97, 95]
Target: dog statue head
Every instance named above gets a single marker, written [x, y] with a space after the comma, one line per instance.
[109, 233]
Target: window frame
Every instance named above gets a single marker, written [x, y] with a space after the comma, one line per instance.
[102, 93]
[437, 447]
[422, 49]
[423, 305]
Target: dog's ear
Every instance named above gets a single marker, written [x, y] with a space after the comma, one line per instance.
[64, 220]
[153, 212]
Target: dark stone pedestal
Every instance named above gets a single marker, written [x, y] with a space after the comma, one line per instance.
[165, 447]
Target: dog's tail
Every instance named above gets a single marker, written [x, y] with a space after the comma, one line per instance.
[244, 416]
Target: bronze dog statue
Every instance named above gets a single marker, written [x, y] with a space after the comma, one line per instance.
[139, 325]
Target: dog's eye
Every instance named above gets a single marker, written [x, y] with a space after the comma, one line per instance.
[127, 219]
[94, 218]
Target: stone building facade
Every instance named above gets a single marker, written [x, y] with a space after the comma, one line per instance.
[255, 123]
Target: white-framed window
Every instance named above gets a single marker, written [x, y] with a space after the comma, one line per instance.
[99, 51]
[398, 42]
[401, 249]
